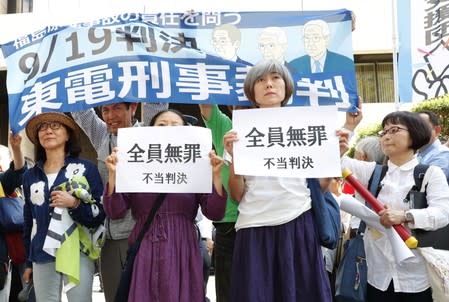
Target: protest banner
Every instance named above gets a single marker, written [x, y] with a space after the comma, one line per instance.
[423, 64]
[172, 57]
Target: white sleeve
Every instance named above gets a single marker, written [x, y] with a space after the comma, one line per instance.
[206, 227]
[436, 215]
[94, 127]
[362, 170]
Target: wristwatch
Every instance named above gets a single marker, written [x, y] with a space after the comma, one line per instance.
[408, 217]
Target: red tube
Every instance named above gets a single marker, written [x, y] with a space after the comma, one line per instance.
[377, 206]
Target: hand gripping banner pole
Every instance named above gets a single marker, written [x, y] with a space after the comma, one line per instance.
[377, 206]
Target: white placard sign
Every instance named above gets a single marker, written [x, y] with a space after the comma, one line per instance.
[287, 142]
[164, 159]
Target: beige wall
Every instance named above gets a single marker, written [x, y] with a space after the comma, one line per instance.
[3, 6]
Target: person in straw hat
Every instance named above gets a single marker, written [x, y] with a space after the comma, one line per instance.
[62, 210]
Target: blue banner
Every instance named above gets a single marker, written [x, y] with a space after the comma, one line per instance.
[177, 58]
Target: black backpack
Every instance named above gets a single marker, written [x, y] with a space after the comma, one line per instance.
[437, 239]
[418, 174]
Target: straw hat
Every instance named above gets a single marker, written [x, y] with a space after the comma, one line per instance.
[33, 124]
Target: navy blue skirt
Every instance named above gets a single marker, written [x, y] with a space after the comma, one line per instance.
[279, 263]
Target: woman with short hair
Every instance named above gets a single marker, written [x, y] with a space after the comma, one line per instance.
[277, 254]
[402, 134]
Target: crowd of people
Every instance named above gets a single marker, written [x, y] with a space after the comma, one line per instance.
[266, 246]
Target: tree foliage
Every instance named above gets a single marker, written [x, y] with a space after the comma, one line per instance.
[439, 106]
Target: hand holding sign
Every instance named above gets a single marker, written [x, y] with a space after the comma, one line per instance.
[216, 162]
[111, 164]
[228, 139]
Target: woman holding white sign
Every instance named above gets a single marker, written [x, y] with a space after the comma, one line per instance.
[168, 264]
[277, 255]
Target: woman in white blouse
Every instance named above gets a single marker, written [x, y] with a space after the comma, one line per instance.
[277, 256]
[402, 135]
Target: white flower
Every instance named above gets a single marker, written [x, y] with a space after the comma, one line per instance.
[75, 170]
[95, 210]
[37, 193]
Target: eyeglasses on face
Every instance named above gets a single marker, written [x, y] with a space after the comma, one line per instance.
[52, 125]
[391, 130]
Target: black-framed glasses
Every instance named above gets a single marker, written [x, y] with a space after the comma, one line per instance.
[52, 125]
[391, 130]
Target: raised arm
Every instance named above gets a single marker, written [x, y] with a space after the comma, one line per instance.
[343, 139]
[353, 119]
[206, 111]
[94, 127]
[13, 176]
[15, 142]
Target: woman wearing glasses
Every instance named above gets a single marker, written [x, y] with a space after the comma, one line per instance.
[402, 135]
[62, 208]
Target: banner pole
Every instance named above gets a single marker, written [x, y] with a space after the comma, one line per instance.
[395, 53]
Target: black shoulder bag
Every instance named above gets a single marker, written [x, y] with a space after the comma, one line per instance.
[417, 196]
[121, 295]
[351, 281]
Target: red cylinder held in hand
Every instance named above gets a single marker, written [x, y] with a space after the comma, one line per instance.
[377, 206]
